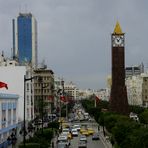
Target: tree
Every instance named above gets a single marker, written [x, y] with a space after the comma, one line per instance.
[143, 117]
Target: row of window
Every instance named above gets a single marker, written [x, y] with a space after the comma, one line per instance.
[6, 106]
[38, 91]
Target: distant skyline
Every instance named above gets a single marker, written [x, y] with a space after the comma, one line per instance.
[74, 36]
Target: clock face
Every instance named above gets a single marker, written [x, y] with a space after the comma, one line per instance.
[118, 41]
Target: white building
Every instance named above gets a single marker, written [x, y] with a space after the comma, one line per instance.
[72, 90]
[8, 116]
[103, 94]
[134, 90]
[137, 90]
[13, 76]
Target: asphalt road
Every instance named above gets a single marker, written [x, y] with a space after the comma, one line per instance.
[90, 143]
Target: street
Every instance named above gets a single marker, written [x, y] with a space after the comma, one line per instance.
[90, 143]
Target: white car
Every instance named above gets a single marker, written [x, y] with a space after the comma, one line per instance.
[76, 126]
[83, 138]
[74, 132]
[63, 139]
[65, 130]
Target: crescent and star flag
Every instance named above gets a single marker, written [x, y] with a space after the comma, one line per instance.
[2, 84]
[63, 98]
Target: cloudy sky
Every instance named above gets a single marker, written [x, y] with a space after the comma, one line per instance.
[74, 36]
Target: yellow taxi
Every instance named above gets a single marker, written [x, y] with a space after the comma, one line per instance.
[65, 125]
[69, 136]
[90, 131]
[82, 130]
[85, 132]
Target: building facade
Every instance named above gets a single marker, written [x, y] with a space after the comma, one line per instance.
[43, 91]
[8, 117]
[134, 70]
[25, 39]
[72, 91]
[13, 75]
[137, 88]
[134, 90]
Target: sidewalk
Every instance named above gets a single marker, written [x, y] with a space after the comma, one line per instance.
[104, 139]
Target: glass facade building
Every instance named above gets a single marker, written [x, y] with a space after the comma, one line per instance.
[25, 39]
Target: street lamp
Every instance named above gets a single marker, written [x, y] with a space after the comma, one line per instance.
[25, 80]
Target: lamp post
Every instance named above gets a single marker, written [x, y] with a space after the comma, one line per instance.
[25, 80]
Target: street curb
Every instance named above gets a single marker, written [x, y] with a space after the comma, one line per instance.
[106, 143]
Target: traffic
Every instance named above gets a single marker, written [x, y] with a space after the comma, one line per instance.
[79, 131]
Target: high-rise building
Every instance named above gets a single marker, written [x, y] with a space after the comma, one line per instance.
[134, 70]
[25, 39]
[118, 99]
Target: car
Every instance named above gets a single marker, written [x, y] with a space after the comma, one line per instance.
[76, 126]
[74, 132]
[82, 144]
[62, 145]
[70, 136]
[90, 131]
[83, 138]
[95, 136]
[85, 133]
[82, 130]
[65, 125]
[65, 130]
[63, 139]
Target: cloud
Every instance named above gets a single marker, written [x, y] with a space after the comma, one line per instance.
[74, 36]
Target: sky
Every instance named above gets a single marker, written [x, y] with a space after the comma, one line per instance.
[74, 36]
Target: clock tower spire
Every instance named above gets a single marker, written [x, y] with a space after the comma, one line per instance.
[117, 29]
[118, 99]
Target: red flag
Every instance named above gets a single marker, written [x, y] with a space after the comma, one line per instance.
[97, 99]
[2, 84]
[63, 98]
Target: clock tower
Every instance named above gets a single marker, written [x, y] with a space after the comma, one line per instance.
[118, 99]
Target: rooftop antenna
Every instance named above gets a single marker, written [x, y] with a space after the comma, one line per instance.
[26, 7]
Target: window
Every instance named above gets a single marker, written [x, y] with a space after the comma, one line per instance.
[27, 100]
